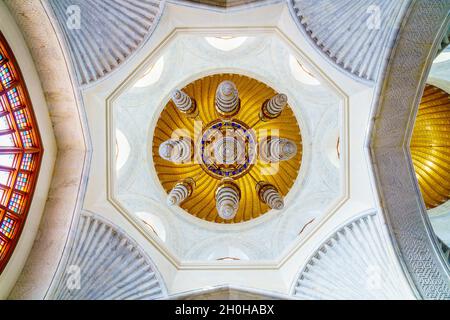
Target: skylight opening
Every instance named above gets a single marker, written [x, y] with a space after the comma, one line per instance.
[152, 75]
[153, 223]
[226, 43]
[300, 73]
[122, 150]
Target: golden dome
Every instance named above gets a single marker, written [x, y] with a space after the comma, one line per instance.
[252, 94]
[430, 146]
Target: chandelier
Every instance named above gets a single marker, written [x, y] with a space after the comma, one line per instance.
[225, 140]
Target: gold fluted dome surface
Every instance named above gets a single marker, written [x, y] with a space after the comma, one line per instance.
[430, 146]
[253, 94]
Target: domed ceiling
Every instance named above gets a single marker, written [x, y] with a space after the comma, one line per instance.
[268, 168]
[219, 152]
[430, 146]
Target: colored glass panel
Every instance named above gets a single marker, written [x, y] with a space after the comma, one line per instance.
[21, 119]
[8, 227]
[14, 98]
[22, 182]
[26, 139]
[5, 76]
[27, 162]
[16, 203]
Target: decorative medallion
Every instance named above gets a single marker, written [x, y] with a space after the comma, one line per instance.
[227, 148]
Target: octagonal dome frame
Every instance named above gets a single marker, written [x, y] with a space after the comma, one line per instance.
[150, 59]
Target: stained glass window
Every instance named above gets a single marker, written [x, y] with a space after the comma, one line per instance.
[20, 152]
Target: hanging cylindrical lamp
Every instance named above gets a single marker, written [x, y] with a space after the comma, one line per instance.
[184, 103]
[274, 149]
[227, 99]
[269, 194]
[180, 192]
[228, 196]
[273, 107]
[176, 150]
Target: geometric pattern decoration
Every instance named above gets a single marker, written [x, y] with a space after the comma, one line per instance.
[20, 152]
[102, 34]
[353, 34]
[252, 95]
[105, 264]
[352, 264]
[430, 146]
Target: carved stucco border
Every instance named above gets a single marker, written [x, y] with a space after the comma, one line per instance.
[402, 204]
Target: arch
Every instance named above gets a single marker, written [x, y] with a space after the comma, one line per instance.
[20, 152]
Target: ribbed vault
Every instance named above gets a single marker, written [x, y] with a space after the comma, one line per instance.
[101, 34]
[353, 34]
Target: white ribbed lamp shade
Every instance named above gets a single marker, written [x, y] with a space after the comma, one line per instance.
[227, 200]
[269, 195]
[273, 107]
[176, 150]
[180, 192]
[274, 149]
[227, 99]
[184, 103]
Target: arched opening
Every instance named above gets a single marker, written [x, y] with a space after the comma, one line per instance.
[20, 152]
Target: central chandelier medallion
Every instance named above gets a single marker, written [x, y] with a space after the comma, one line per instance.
[227, 148]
